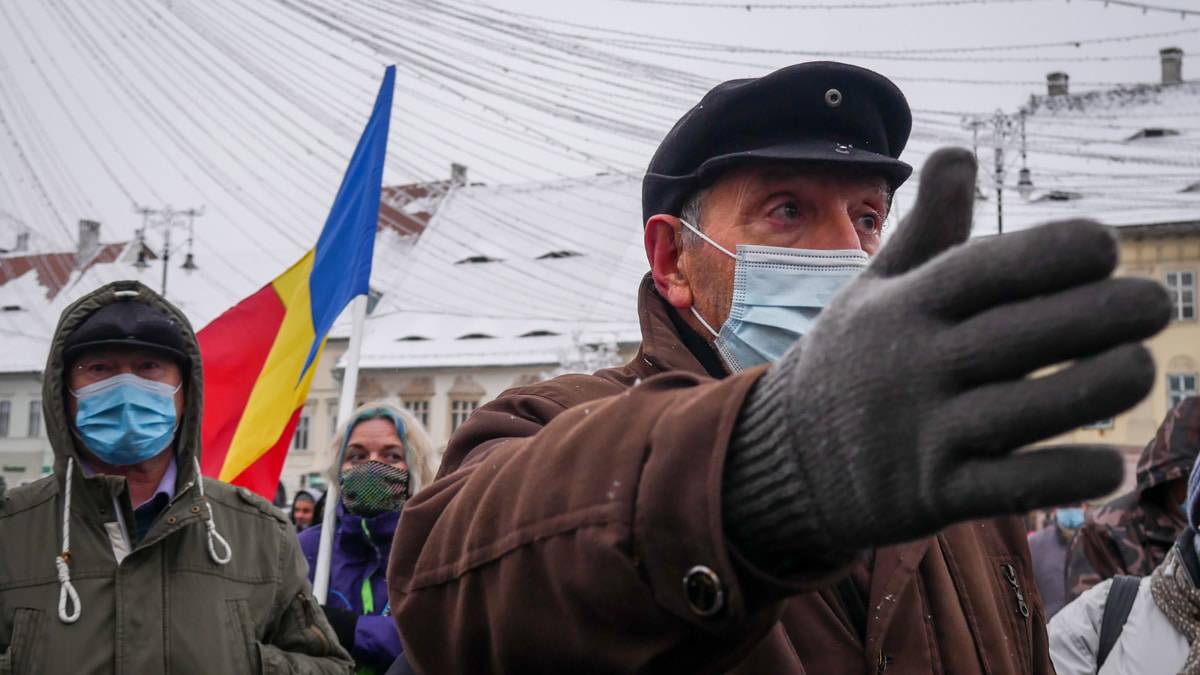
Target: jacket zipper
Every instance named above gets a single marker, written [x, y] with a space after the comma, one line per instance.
[882, 662]
[1010, 575]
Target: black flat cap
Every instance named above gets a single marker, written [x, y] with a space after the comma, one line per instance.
[128, 323]
[822, 112]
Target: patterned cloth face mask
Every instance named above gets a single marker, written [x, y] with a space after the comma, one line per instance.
[777, 294]
[373, 488]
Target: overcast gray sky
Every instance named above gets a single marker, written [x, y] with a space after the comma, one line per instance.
[251, 109]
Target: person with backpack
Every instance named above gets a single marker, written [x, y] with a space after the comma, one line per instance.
[1130, 625]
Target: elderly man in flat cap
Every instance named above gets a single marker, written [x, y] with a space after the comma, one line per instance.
[125, 559]
[812, 462]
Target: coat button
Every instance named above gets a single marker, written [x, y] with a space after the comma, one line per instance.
[703, 590]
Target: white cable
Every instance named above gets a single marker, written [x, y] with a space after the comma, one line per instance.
[211, 526]
[66, 590]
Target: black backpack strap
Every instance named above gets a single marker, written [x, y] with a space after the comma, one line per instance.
[1121, 595]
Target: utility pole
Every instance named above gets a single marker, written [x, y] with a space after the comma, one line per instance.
[1005, 128]
[168, 219]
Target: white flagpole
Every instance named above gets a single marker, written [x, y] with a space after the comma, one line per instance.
[358, 313]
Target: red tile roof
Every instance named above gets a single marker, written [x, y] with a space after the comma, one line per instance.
[53, 269]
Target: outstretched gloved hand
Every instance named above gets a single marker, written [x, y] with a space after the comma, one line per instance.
[907, 407]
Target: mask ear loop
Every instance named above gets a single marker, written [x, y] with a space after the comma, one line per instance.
[720, 248]
[707, 238]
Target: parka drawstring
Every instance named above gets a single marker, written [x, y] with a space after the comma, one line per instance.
[211, 526]
[66, 590]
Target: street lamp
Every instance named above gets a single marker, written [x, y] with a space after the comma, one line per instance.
[1025, 183]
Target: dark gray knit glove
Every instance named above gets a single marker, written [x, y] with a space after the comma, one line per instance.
[900, 413]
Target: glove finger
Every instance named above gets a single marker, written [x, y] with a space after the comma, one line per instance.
[998, 418]
[1013, 340]
[996, 270]
[940, 218]
[1034, 479]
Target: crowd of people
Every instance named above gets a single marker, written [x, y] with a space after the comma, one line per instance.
[813, 464]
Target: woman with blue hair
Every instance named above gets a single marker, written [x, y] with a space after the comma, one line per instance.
[383, 457]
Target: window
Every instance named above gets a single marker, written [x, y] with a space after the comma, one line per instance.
[1179, 387]
[419, 407]
[35, 419]
[460, 410]
[1182, 288]
[300, 440]
[5, 414]
[1153, 132]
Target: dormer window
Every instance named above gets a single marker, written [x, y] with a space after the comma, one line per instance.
[538, 333]
[1059, 196]
[478, 259]
[412, 338]
[559, 254]
[1153, 132]
[475, 336]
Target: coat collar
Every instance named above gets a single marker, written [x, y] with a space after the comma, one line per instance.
[350, 535]
[665, 339]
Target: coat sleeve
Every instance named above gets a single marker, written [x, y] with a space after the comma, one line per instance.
[302, 641]
[1075, 632]
[562, 534]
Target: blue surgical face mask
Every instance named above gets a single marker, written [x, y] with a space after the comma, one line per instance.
[777, 294]
[126, 419]
[1070, 518]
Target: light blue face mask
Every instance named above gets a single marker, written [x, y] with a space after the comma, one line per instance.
[777, 294]
[1069, 518]
[126, 419]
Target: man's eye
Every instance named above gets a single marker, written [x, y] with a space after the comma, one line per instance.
[870, 221]
[96, 368]
[786, 211]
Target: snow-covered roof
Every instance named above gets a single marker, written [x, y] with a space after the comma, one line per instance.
[36, 287]
[1126, 156]
[515, 274]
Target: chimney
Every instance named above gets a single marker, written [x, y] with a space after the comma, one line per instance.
[1172, 65]
[22, 243]
[458, 174]
[1056, 84]
[89, 241]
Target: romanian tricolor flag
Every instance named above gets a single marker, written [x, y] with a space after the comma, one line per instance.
[259, 356]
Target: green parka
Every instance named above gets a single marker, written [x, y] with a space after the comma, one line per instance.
[165, 604]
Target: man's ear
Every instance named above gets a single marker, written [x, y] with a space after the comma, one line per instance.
[661, 238]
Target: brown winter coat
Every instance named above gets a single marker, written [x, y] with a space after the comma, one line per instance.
[568, 513]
